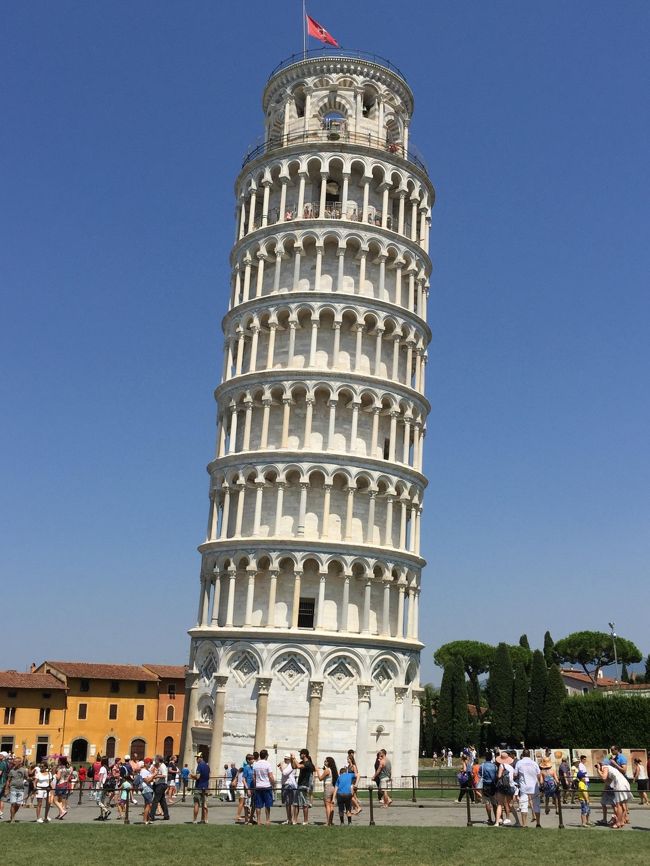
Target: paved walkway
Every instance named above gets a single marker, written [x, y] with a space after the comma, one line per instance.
[400, 814]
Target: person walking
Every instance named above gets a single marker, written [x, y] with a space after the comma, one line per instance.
[106, 784]
[464, 778]
[328, 776]
[529, 778]
[505, 788]
[159, 789]
[172, 777]
[354, 769]
[488, 772]
[550, 786]
[62, 785]
[15, 788]
[240, 792]
[264, 782]
[383, 776]
[640, 775]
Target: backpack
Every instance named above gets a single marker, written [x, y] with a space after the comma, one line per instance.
[549, 787]
[503, 785]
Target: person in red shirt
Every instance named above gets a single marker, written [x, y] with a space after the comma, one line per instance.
[96, 768]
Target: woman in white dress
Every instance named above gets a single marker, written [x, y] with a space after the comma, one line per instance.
[616, 793]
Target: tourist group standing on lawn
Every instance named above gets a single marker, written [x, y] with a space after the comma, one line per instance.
[513, 785]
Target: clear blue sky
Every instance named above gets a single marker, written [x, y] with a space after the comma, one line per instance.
[123, 128]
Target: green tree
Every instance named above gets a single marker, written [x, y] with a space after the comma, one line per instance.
[519, 702]
[593, 650]
[553, 707]
[452, 721]
[550, 656]
[536, 700]
[523, 641]
[500, 691]
[520, 653]
[427, 726]
[476, 658]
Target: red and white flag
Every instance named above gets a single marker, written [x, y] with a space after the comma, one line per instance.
[319, 32]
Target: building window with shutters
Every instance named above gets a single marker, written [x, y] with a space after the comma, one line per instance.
[171, 690]
[44, 716]
[139, 712]
[10, 715]
[115, 686]
[82, 711]
[170, 714]
[112, 711]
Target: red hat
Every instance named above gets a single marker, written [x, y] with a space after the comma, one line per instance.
[148, 760]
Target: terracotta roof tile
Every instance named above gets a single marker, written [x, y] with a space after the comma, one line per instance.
[92, 671]
[168, 672]
[16, 680]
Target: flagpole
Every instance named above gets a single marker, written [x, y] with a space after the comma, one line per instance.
[304, 31]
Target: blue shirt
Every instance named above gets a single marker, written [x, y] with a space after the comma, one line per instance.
[488, 772]
[621, 760]
[203, 773]
[344, 783]
[185, 773]
[247, 770]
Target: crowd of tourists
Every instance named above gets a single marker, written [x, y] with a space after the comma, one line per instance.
[511, 785]
[115, 785]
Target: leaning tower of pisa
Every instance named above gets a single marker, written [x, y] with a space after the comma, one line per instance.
[307, 629]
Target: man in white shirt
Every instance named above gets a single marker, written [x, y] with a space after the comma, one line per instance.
[529, 778]
[264, 782]
[159, 787]
[582, 768]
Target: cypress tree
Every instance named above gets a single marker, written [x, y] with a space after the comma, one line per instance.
[500, 692]
[553, 706]
[445, 706]
[549, 650]
[460, 720]
[523, 641]
[452, 721]
[537, 697]
[519, 703]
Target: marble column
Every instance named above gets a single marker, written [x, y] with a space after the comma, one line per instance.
[263, 688]
[313, 720]
[217, 724]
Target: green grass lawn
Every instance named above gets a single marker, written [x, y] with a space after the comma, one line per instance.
[295, 846]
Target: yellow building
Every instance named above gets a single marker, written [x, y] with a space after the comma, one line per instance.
[112, 710]
[171, 702]
[32, 714]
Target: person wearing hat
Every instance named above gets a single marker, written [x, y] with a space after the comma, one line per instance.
[505, 788]
[550, 784]
[529, 778]
[583, 798]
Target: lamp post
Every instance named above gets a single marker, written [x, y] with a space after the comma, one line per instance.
[613, 634]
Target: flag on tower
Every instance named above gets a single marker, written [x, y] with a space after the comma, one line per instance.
[319, 32]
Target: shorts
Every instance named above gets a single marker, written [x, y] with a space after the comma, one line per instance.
[199, 794]
[263, 798]
[17, 796]
[642, 785]
[172, 783]
[41, 793]
[289, 796]
[147, 796]
[302, 797]
[524, 799]
[585, 808]
[344, 802]
[240, 793]
[61, 793]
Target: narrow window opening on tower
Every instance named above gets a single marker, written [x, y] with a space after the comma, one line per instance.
[386, 448]
[306, 610]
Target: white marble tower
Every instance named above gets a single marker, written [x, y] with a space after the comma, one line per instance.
[307, 628]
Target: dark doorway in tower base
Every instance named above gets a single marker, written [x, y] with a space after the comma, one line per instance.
[204, 751]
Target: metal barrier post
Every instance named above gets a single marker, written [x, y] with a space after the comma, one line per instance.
[371, 823]
[126, 813]
[469, 809]
[560, 824]
[203, 806]
[81, 788]
[413, 798]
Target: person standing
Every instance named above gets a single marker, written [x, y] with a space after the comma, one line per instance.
[583, 797]
[305, 769]
[465, 780]
[159, 788]
[354, 769]
[616, 793]
[550, 785]
[249, 784]
[564, 772]
[62, 786]
[328, 777]
[288, 787]
[343, 794]
[4, 771]
[172, 777]
[201, 787]
[15, 788]
[382, 777]
[264, 782]
[529, 778]
[146, 776]
[43, 781]
[185, 778]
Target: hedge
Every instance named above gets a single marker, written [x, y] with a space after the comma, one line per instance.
[605, 720]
